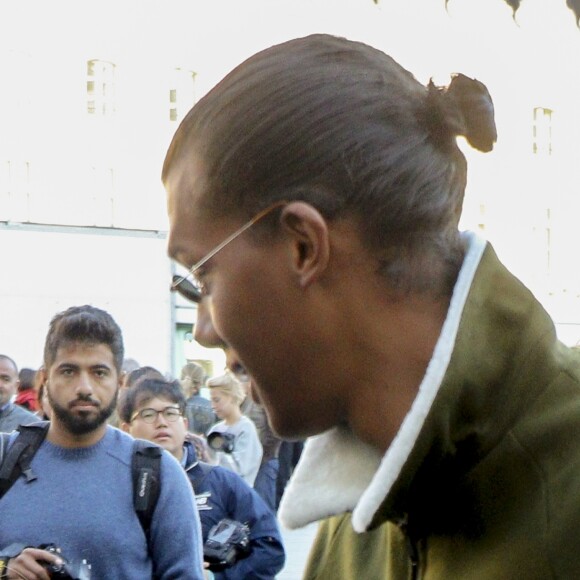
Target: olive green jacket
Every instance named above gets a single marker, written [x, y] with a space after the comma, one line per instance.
[483, 479]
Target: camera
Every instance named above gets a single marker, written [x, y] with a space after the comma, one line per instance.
[67, 570]
[221, 441]
[227, 542]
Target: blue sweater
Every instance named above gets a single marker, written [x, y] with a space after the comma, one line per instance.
[82, 501]
[220, 494]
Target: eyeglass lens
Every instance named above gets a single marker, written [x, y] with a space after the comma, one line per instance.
[169, 414]
[185, 288]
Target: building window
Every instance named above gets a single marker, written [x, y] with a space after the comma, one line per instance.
[181, 93]
[100, 88]
[542, 131]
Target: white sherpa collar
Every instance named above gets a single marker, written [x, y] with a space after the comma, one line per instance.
[337, 472]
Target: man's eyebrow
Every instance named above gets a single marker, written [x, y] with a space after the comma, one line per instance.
[69, 365]
[183, 253]
[101, 366]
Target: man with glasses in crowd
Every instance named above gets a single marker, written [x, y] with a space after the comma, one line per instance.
[153, 409]
[79, 492]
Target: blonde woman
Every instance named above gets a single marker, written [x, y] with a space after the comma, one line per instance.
[239, 449]
[200, 416]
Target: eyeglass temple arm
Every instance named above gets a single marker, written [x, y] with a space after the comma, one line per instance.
[229, 239]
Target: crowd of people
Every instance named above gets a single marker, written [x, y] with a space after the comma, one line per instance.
[69, 500]
[85, 345]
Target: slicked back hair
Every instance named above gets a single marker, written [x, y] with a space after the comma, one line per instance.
[344, 127]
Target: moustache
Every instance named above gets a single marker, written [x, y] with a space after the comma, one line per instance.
[84, 401]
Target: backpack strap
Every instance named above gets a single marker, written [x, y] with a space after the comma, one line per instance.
[4, 442]
[18, 456]
[146, 469]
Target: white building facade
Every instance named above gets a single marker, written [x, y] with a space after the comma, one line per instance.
[93, 92]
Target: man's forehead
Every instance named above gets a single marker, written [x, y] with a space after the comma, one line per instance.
[147, 399]
[7, 367]
[81, 351]
[186, 184]
[185, 187]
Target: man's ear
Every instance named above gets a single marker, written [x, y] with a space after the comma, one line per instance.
[41, 376]
[308, 230]
[125, 427]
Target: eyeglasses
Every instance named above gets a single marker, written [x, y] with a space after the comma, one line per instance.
[148, 415]
[189, 286]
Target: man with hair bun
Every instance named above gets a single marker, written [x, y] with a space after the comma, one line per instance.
[314, 195]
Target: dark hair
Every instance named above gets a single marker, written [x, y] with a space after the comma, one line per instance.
[26, 377]
[342, 126]
[146, 389]
[41, 387]
[137, 374]
[83, 324]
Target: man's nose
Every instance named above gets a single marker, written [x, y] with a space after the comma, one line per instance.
[160, 420]
[203, 330]
[84, 384]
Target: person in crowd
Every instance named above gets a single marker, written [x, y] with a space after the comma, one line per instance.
[279, 457]
[200, 415]
[11, 414]
[26, 393]
[141, 373]
[265, 483]
[129, 378]
[129, 365]
[154, 410]
[288, 457]
[44, 411]
[84, 467]
[238, 446]
[314, 195]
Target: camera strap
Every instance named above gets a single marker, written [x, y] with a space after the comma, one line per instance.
[146, 468]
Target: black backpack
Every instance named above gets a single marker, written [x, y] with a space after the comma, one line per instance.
[146, 467]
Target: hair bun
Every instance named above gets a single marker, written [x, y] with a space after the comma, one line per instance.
[463, 108]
